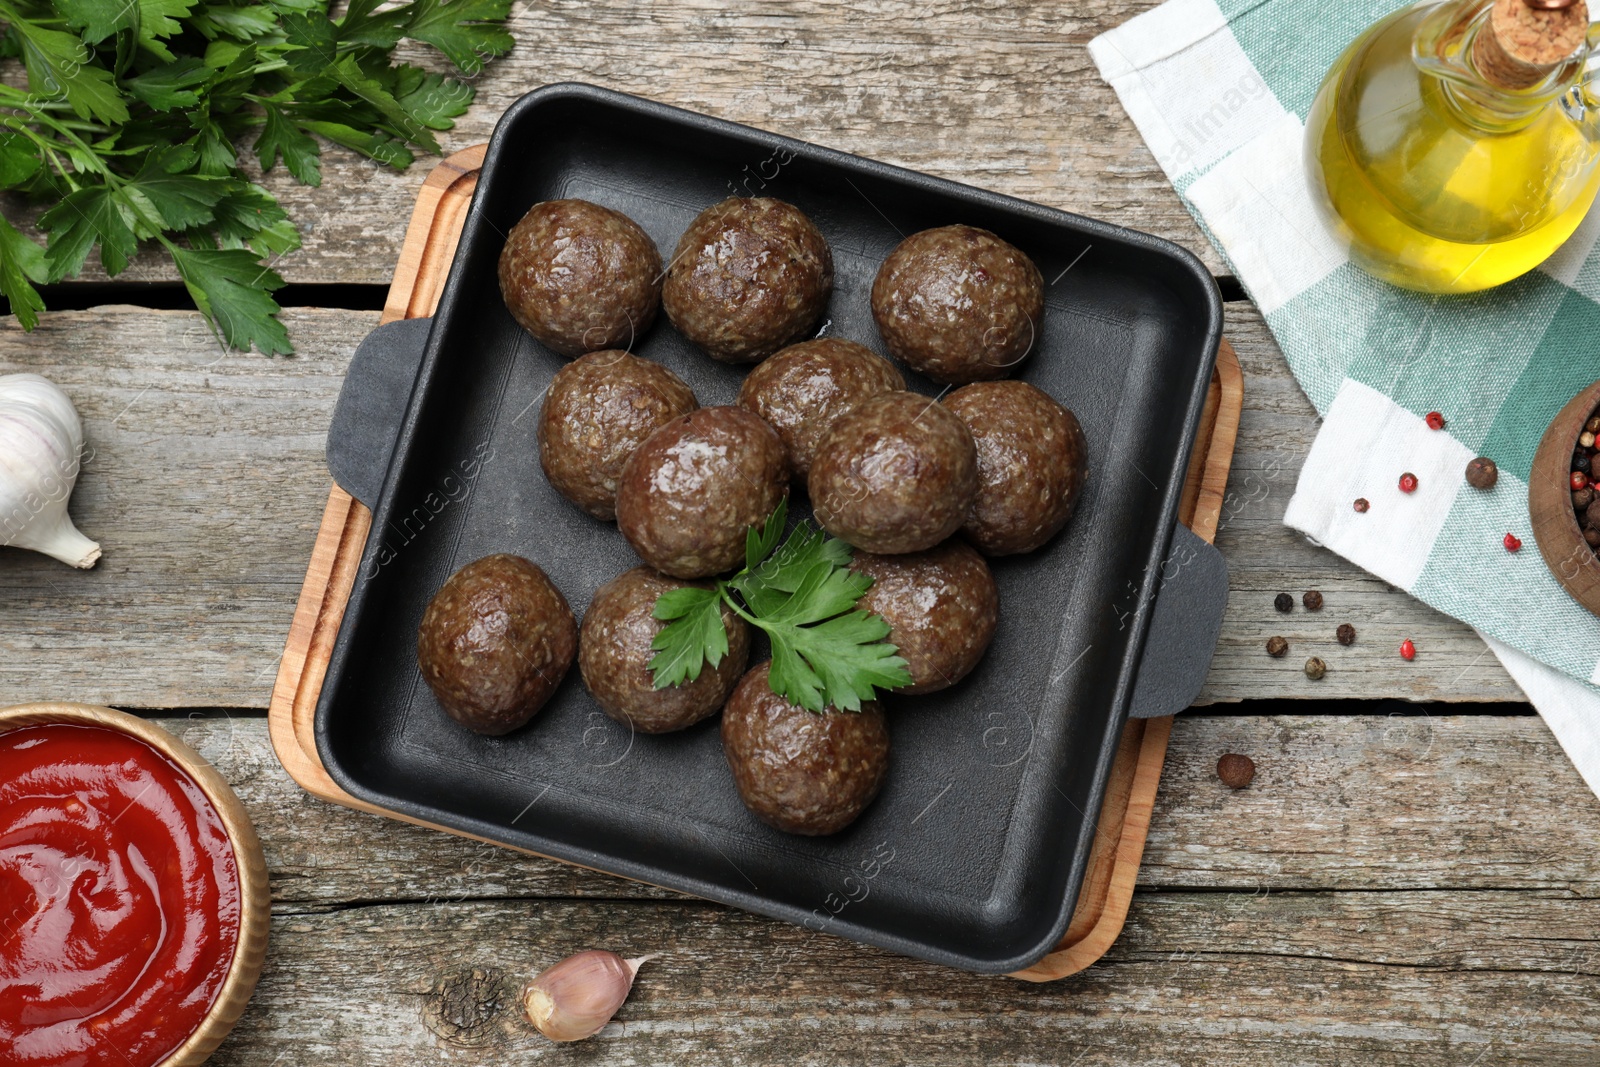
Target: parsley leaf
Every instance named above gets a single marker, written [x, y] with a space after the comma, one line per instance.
[825, 651]
[281, 137]
[83, 218]
[464, 30]
[231, 288]
[21, 264]
[695, 637]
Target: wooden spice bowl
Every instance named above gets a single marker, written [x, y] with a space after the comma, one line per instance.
[1555, 524]
[254, 896]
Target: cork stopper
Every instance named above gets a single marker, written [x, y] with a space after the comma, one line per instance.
[1523, 40]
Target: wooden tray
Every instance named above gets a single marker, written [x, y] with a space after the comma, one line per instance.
[419, 275]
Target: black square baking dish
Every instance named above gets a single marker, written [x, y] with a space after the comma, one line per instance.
[973, 853]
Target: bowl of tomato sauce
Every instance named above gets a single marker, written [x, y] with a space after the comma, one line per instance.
[133, 893]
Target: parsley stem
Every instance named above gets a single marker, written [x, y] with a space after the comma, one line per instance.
[726, 591]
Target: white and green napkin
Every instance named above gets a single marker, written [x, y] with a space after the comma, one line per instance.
[1220, 90]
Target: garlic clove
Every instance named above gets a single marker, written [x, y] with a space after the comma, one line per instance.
[575, 998]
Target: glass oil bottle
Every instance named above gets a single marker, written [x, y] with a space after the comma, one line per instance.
[1454, 145]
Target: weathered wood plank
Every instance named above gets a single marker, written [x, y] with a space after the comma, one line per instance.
[207, 482]
[1198, 979]
[1001, 96]
[1339, 803]
[203, 485]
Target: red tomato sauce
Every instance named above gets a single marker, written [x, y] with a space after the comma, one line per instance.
[119, 900]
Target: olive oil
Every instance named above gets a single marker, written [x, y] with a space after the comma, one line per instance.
[1438, 175]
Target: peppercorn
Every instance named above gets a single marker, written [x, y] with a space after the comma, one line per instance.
[1579, 480]
[1435, 421]
[1580, 460]
[1591, 535]
[1591, 514]
[1594, 466]
[1346, 634]
[1315, 669]
[1586, 439]
[1277, 647]
[1408, 482]
[1407, 649]
[1581, 498]
[1512, 542]
[1312, 600]
[1236, 771]
[1361, 504]
[1283, 602]
[1482, 473]
[1593, 425]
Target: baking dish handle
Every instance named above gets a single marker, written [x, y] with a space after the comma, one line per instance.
[372, 405]
[1183, 631]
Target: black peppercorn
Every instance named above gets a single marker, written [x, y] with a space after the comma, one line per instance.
[1315, 668]
[1591, 514]
[1594, 465]
[1591, 535]
[1361, 504]
[1236, 771]
[1277, 647]
[1283, 602]
[1482, 473]
[1346, 634]
[1312, 600]
[1580, 461]
[1581, 498]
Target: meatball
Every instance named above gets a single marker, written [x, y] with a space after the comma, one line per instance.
[798, 770]
[1032, 463]
[689, 493]
[896, 474]
[614, 655]
[598, 409]
[941, 606]
[580, 277]
[750, 275]
[802, 389]
[495, 641]
[958, 304]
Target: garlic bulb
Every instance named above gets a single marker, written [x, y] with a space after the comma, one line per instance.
[573, 999]
[41, 447]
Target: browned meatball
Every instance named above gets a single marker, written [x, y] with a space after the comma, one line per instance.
[689, 493]
[896, 474]
[941, 606]
[958, 304]
[802, 771]
[495, 641]
[802, 389]
[599, 408]
[580, 277]
[614, 655]
[1032, 463]
[750, 275]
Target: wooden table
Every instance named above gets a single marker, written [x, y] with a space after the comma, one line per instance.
[1402, 884]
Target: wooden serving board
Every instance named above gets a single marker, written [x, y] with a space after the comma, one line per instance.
[419, 276]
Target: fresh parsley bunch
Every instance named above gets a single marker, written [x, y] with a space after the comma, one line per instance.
[824, 651]
[134, 109]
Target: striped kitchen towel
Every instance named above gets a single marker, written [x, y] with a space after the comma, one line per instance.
[1220, 90]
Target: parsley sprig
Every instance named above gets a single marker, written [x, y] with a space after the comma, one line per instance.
[134, 109]
[825, 652]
